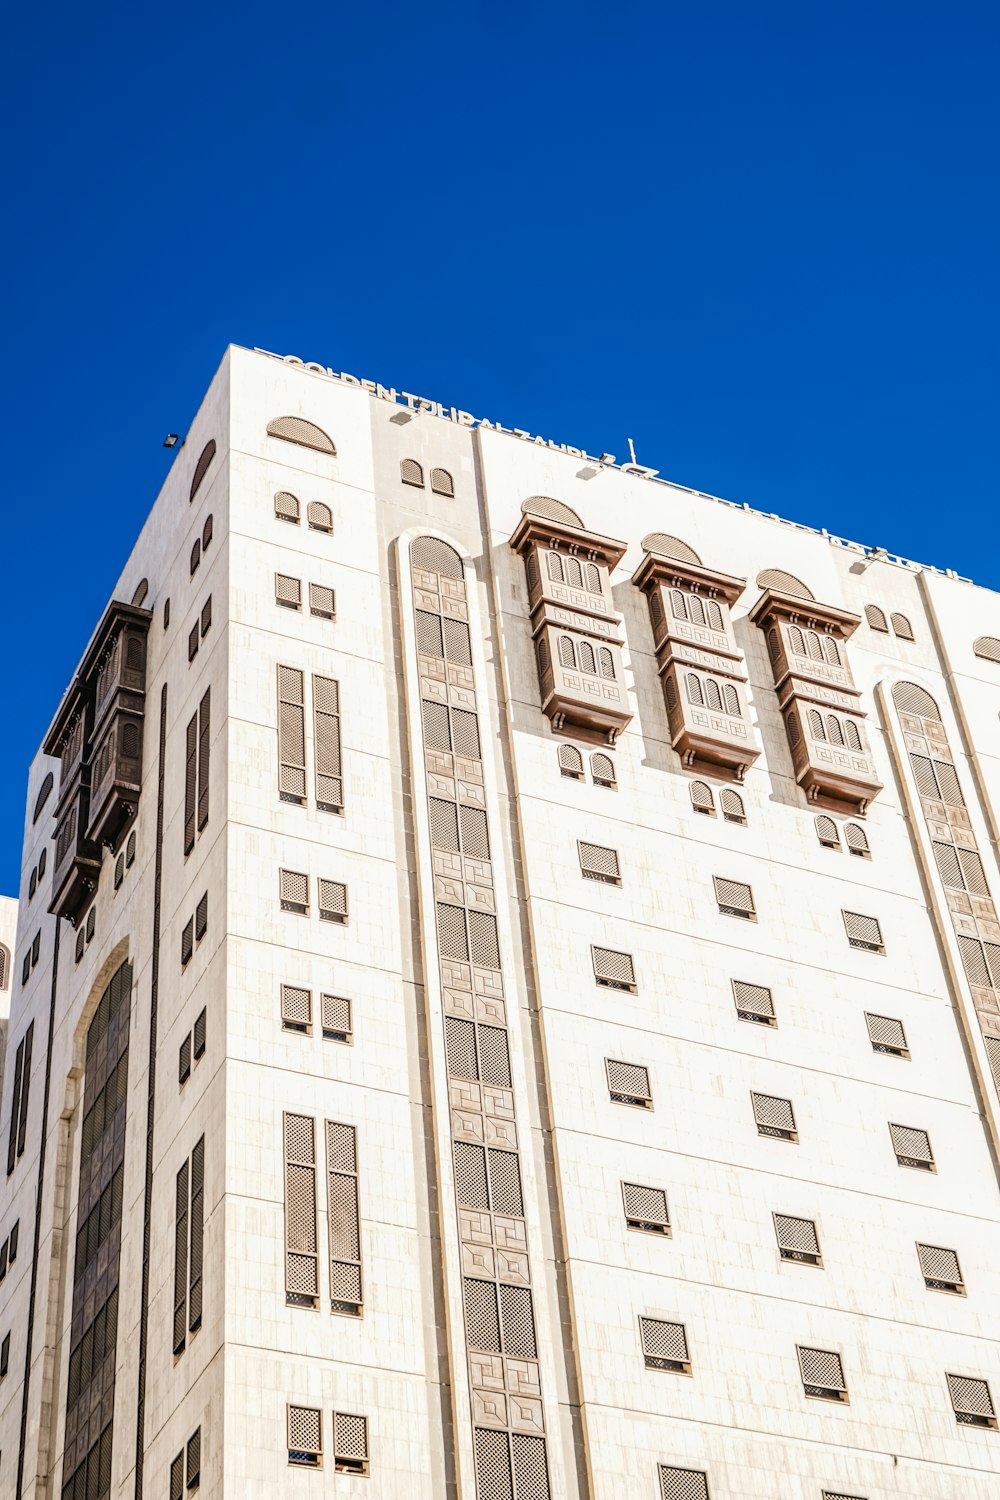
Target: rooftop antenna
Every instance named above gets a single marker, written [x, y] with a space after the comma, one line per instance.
[631, 449]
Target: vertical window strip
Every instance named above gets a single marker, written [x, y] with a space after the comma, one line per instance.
[190, 783]
[204, 750]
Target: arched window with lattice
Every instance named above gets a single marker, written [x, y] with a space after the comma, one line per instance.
[901, 626]
[876, 619]
[442, 483]
[827, 833]
[733, 809]
[702, 799]
[571, 762]
[602, 770]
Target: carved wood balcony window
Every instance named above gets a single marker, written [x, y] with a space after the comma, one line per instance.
[700, 665]
[820, 705]
[574, 624]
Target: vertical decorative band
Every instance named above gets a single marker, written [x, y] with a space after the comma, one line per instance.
[508, 1427]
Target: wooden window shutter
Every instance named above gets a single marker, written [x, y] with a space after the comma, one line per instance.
[599, 863]
[177, 1478]
[335, 1018]
[344, 1220]
[321, 601]
[971, 1401]
[15, 1106]
[296, 1008]
[204, 750]
[326, 727]
[940, 1268]
[190, 784]
[912, 1147]
[646, 1208]
[332, 901]
[682, 1484]
[822, 1373]
[301, 1230]
[350, 1443]
[187, 942]
[181, 1258]
[184, 1060]
[200, 1029]
[22, 1127]
[194, 1459]
[774, 1117]
[197, 1214]
[797, 1239]
[628, 1083]
[291, 735]
[305, 1436]
[735, 898]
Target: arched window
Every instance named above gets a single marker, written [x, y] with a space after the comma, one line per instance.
[851, 735]
[713, 697]
[542, 656]
[773, 644]
[714, 615]
[670, 546]
[319, 516]
[911, 699]
[286, 507]
[550, 510]
[794, 733]
[432, 555]
[732, 806]
[571, 762]
[587, 661]
[442, 483]
[201, 467]
[902, 626]
[857, 840]
[814, 646]
[834, 732]
[733, 701]
[606, 662]
[567, 656]
[139, 597]
[43, 796]
[987, 648]
[208, 531]
[594, 579]
[696, 610]
[678, 605]
[32, 887]
[694, 692]
[41, 862]
[574, 573]
[826, 832]
[783, 583]
[306, 434]
[196, 557]
[876, 618]
[701, 798]
[816, 725]
[796, 640]
[602, 769]
[4, 967]
[831, 651]
[554, 566]
[410, 472]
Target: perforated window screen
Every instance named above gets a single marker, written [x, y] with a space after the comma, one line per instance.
[336, 1018]
[475, 834]
[301, 1234]
[857, 839]
[332, 900]
[287, 591]
[940, 1268]
[305, 1435]
[613, 969]
[887, 1034]
[822, 1371]
[827, 833]
[452, 936]
[505, 1182]
[902, 626]
[286, 507]
[602, 769]
[841, 1495]
[774, 1116]
[321, 601]
[320, 516]
[296, 1008]
[291, 735]
[599, 863]
[344, 1217]
[326, 726]
[571, 762]
[701, 797]
[298, 430]
[682, 1484]
[797, 1238]
[494, 1477]
[735, 898]
[470, 1176]
[863, 932]
[912, 1146]
[294, 889]
[350, 1443]
[628, 1083]
[754, 1002]
[993, 1057]
[732, 806]
[442, 483]
[645, 1207]
[664, 1345]
[876, 618]
[988, 648]
[410, 472]
[971, 1400]
[190, 783]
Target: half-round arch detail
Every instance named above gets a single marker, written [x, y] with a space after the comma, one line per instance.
[201, 467]
[783, 583]
[139, 597]
[551, 510]
[306, 434]
[670, 546]
[988, 648]
[43, 796]
[909, 698]
[4, 967]
[430, 553]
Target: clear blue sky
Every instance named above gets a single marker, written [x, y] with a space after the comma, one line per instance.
[759, 239]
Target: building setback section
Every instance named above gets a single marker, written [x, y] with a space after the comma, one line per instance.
[524, 1019]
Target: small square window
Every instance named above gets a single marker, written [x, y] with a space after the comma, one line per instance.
[754, 1002]
[305, 1437]
[599, 863]
[735, 898]
[970, 1399]
[294, 889]
[613, 970]
[822, 1374]
[628, 1083]
[350, 1443]
[296, 1009]
[912, 1147]
[664, 1346]
[941, 1270]
[322, 601]
[797, 1240]
[332, 901]
[775, 1117]
[337, 1020]
[287, 591]
[646, 1208]
[863, 932]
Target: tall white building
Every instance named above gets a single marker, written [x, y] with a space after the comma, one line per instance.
[505, 990]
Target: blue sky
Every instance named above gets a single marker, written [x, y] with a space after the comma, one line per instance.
[760, 240]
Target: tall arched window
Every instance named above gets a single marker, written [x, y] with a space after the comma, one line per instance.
[876, 618]
[606, 661]
[814, 646]
[694, 692]
[816, 725]
[554, 566]
[851, 735]
[587, 662]
[678, 605]
[902, 626]
[832, 651]
[574, 573]
[701, 798]
[201, 467]
[796, 641]
[834, 731]
[567, 656]
[696, 610]
[733, 701]
[713, 614]
[594, 578]
[712, 695]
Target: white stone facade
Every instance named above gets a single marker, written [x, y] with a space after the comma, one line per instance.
[741, 1415]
